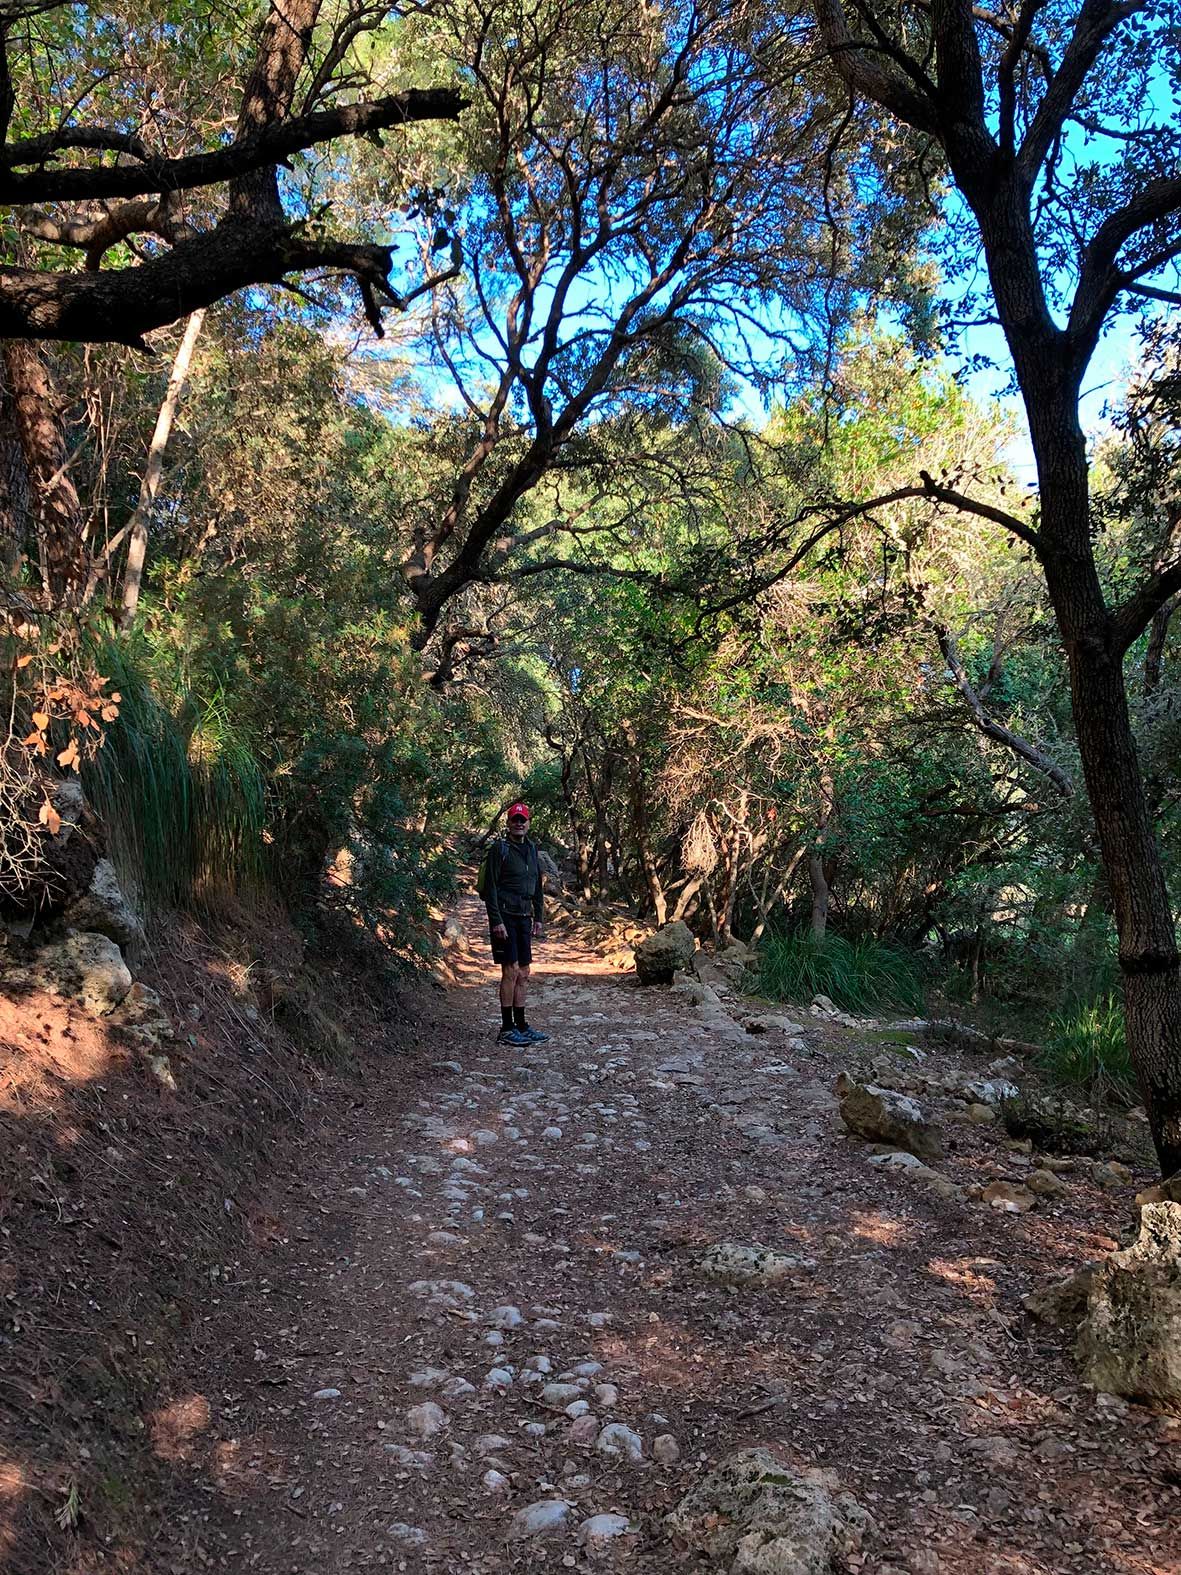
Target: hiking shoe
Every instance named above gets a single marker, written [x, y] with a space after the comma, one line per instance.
[533, 1036]
[512, 1036]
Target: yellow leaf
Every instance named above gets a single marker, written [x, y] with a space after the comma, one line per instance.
[69, 755]
[49, 817]
[41, 720]
[23, 661]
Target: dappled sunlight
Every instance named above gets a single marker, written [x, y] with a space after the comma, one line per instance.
[964, 1274]
[176, 1427]
[880, 1229]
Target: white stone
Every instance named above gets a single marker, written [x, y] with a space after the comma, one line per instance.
[408, 1536]
[326, 1394]
[495, 1481]
[428, 1377]
[622, 1442]
[498, 1378]
[506, 1317]
[560, 1394]
[545, 1518]
[427, 1419]
[607, 1395]
[665, 1449]
[601, 1529]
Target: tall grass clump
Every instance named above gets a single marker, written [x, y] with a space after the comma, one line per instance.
[856, 975]
[1086, 1048]
[179, 792]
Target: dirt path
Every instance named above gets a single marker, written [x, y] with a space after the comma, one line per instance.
[514, 1221]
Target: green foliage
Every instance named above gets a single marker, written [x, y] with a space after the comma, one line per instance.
[1086, 1048]
[179, 790]
[857, 975]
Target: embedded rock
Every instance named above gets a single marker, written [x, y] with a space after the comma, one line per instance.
[102, 909]
[1064, 1303]
[754, 1515]
[736, 1263]
[668, 951]
[622, 1442]
[884, 1116]
[1009, 1197]
[1167, 1191]
[1045, 1184]
[87, 967]
[1129, 1342]
[545, 1518]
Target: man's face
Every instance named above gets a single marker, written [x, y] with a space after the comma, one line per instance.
[517, 827]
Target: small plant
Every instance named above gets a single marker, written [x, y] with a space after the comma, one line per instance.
[855, 975]
[1086, 1048]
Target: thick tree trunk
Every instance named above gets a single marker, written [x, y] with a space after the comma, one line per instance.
[15, 502]
[1148, 956]
[56, 511]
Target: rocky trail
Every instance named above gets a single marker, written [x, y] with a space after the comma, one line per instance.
[518, 1305]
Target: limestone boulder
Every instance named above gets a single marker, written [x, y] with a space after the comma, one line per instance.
[1167, 1191]
[103, 909]
[754, 1515]
[741, 1263]
[85, 967]
[882, 1115]
[665, 953]
[1063, 1303]
[1129, 1342]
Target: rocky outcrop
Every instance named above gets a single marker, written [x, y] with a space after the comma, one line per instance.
[736, 1263]
[1064, 1303]
[85, 967]
[1130, 1340]
[882, 1115]
[668, 951]
[102, 909]
[753, 1515]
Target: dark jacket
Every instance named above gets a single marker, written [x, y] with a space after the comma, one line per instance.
[514, 881]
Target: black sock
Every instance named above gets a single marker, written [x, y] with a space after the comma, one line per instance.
[506, 1017]
[519, 1016]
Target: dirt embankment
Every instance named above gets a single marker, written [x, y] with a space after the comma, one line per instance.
[122, 1202]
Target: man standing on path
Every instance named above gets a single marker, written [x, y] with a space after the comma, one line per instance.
[513, 897]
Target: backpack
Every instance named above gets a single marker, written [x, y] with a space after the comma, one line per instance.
[482, 872]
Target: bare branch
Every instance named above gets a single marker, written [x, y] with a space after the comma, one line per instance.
[1097, 20]
[854, 62]
[996, 730]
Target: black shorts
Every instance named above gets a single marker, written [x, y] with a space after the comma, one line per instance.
[517, 945]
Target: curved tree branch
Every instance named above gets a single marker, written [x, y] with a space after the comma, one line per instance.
[273, 144]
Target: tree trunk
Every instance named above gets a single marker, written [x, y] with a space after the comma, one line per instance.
[816, 870]
[56, 511]
[1111, 768]
[15, 502]
[137, 546]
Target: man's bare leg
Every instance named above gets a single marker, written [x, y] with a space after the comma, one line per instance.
[521, 987]
[508, 984]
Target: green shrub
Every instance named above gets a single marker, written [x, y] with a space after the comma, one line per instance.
[180, 793]
[1086, 1048]
[856, 975]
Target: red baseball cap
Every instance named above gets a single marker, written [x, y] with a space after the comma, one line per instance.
[515, 810]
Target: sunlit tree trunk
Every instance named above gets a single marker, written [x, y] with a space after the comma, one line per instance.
[137, 545]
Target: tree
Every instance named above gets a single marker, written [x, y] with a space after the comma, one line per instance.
[151, 194]
[1013, 101]
[644, 213]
